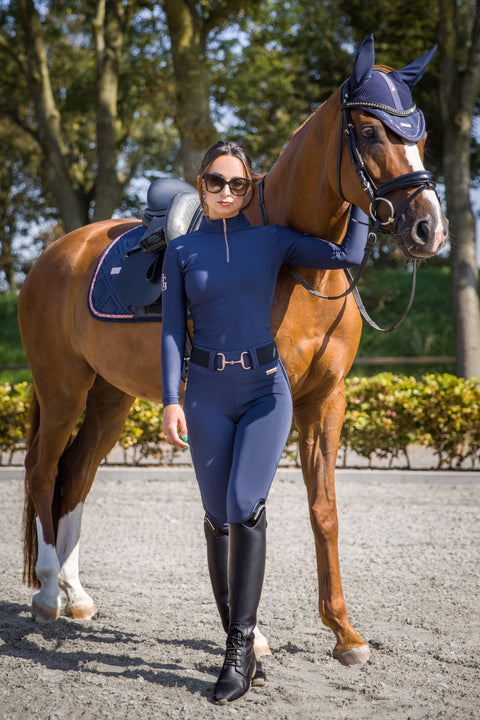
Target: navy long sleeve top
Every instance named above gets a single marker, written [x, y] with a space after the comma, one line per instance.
[226, 272]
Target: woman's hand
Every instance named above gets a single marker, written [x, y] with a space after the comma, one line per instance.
[174, 426]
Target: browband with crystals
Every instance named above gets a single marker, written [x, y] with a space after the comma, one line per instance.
[379, 106]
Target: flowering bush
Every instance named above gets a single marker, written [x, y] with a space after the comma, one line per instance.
[143, 430]
[378, 417]
[448, 418]
[385, 415]
[14, 405]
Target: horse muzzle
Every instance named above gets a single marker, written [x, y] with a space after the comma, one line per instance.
[423, 237]
[419, 223]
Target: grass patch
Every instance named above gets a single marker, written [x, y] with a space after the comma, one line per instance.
[427, 330]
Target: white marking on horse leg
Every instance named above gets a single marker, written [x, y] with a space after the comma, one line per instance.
[46, 603]
[260, 644]
[80, 605]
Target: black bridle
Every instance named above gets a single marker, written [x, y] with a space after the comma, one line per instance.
[421, 179]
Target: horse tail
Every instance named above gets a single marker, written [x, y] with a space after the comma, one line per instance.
[30, 540]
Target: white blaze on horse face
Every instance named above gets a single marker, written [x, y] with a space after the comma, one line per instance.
[47, 569]
[68, 540]
[415, 162]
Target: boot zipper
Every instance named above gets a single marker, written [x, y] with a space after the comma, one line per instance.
[226, 239]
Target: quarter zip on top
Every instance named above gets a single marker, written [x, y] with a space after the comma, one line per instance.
[226, 239]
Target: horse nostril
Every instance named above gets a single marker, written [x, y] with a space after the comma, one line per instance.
[421, 232]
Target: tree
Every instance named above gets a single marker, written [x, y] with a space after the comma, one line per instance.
[97, 84]
[459, 42]
[21, 201]
[191, 26]
[89, 89]
[292, 57]
[32, 62]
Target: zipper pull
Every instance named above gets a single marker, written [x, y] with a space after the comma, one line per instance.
[226, 239]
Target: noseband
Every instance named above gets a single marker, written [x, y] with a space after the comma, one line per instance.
[420, 179]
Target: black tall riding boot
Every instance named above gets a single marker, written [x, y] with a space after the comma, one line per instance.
[217, 557]
[246, 567]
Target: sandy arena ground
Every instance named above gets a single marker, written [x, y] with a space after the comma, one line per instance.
[409, 545]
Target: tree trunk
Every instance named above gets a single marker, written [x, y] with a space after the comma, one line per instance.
[109, 26]
[50, 137]
[458, 94]
[188, 36]
[466, 306]
[71, 198]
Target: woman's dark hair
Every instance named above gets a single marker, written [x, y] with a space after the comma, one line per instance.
[220, 148]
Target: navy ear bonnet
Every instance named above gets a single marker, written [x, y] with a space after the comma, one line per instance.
[386, 95]
[395, 108]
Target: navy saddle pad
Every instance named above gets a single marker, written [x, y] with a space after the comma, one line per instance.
[104, 300]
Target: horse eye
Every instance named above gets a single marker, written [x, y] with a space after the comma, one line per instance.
[368, 132]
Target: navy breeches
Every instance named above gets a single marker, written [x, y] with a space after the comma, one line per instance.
[238, 423]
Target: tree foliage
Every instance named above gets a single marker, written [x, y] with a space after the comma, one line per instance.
[91, 91]
[297, 55]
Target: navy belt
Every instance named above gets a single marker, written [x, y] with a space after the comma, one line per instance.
[217, 361]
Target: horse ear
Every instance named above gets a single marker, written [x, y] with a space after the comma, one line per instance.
[363, 65]
[413, 72]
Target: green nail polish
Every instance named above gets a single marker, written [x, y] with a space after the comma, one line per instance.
[185, 438]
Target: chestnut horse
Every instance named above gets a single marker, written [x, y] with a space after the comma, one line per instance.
[82, 365]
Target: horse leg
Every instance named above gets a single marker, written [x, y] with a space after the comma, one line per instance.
[56, 418]
[319, 425]
[106, 411]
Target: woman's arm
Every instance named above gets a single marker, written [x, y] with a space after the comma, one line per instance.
[174, 326]
[308, 251]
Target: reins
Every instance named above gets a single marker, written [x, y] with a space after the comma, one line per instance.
[421, 179]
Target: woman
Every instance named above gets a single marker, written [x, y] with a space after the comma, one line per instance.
[238, 402]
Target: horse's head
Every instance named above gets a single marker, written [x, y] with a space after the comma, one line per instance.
[385, 133]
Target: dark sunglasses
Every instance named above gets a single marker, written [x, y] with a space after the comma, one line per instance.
[215, 183]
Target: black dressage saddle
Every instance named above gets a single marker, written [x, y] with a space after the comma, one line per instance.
[173, 209]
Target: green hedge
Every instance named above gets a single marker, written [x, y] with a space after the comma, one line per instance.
[386, 415]
[14, 404]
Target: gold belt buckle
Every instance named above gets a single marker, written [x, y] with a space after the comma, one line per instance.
[233, 362]
[220, 369]
[242, 360]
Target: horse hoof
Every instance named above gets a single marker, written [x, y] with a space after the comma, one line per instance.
[259, 678]
[260, 646]
[43, 613]
[353, 656]
[81, 611]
